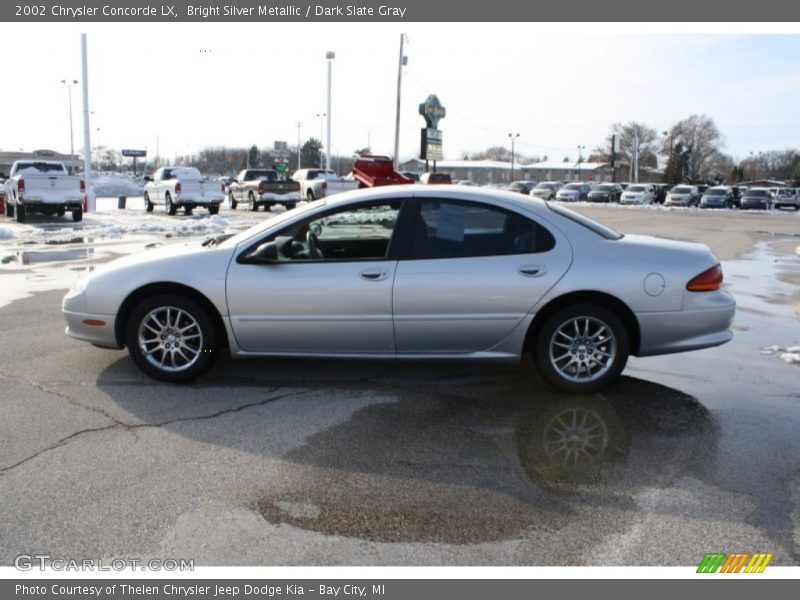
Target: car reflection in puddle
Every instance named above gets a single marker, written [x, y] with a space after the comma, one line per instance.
[34, 257]
[490, 464]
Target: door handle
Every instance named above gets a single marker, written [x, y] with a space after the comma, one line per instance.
[374, 275]
[533, 270]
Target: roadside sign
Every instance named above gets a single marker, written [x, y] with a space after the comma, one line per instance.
[134, 153]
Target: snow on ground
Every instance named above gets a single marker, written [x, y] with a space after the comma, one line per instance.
[789, 355]
[116, 184]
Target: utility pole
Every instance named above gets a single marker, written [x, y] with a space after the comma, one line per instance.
[87, 142]
[513, 137]
[403, 60]
[327, 162]
[330, 56]
[69, 83]
[580, 158]
[299, 153]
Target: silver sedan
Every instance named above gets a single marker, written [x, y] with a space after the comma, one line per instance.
[411, 272]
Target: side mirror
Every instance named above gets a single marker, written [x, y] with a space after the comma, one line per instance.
[148, 178]
[265, 253]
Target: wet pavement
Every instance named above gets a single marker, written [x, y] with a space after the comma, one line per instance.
[349, 462]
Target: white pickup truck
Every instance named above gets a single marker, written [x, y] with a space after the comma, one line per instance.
[43, 186]
[318, 183]
[182, 187]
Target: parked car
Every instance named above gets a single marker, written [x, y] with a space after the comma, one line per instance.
[787, 197]
[573, 192]
[737, 195]
[45, 187]
[757, 198]
[412, 175]
[225, 182]
[391, 273]
[683, 195]
[263, 187]
[318, 183]
[182, 187]
[466, 182]
[521, 187]
[638, 193]
[546, 190]
[435, 178]
[717, 197]
[605, 192]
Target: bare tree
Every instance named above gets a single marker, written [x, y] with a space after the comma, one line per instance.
[644, 137]
[702, 141]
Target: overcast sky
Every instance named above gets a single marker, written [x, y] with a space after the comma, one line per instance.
[185, 86]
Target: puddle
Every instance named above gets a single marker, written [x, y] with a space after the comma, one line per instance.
[33, 257]
[482, 465]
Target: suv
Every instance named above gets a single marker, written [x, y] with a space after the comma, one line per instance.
[435, 178]
[787, 197]
[522, 187]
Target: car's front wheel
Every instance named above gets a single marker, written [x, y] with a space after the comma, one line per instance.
[582, 348]
[171, 338]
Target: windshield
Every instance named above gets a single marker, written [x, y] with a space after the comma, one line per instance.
[757, 193]
[604, 188]
[572, 186]
[681, 190]
[786, 192]
[590, 224]
[636, 188]
[716, 192]
[546, 186]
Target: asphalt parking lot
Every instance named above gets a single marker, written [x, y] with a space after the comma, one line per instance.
[284, 462]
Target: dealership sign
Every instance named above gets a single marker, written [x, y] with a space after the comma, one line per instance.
[134, 153]
[431, 136]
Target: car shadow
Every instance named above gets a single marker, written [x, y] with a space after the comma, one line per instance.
[451, 452]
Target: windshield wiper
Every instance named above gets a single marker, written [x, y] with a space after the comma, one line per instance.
[216, 240]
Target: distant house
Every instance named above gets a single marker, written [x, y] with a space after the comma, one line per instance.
[7, 159]
[492, 172]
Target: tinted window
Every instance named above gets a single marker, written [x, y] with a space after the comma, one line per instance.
[446, 229]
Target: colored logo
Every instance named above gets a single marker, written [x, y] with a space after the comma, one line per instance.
[743, 562]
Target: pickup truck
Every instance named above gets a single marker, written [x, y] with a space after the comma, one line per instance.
[38, 186]
[318, 183]
[263, 187]
[182, 187]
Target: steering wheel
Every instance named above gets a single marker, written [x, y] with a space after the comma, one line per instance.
[314, 248]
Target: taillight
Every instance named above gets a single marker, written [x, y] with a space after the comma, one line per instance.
[708, 281]
[21, 185]
[83, 186]
[222, 188]
[178, 188]
[261, 187]
[324, 186]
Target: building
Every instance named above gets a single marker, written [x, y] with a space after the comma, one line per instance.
[492, 172]
[7, 159]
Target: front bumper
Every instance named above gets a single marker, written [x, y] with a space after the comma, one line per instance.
[86, 327]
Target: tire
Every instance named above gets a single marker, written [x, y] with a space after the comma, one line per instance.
[61, 212]
[251, 202]
[232, 201]
[577, 334]
[213, 209]
[170, 206]
[290, 205]
[187, 210]
[148, 205]
[9, 210]
[310, 195]
[19, 213]
[168, 324]
[77, 215]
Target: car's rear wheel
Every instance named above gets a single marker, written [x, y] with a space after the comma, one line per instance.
[19, 213]
[251, 202]
[232, 201]
[77, 214]
[171, 338]
[9, 210]
[310, 195]
[582, 348]
[148, 205]
[213, 209]
[171, 206]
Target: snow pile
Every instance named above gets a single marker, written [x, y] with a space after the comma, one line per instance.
[116, 184]
[790, 355]
[6, 233]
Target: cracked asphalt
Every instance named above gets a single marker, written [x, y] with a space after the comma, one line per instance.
[284, 462]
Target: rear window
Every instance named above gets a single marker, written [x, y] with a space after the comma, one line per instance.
[586, 222]
[39, 167]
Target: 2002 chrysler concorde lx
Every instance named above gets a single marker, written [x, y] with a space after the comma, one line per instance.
[411, 272]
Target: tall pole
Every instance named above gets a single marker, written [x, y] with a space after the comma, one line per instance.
[401, 61]
[580, 158]
[513, 137]
[299, 153]
[87, 142]
[330, 56]
[321, 119]
[69, 83]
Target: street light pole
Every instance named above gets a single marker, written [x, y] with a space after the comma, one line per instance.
[580, 158]
[403, 60]
[513, 137]
[69, 83]
[330, 56]
[321, 117]
[299, 153]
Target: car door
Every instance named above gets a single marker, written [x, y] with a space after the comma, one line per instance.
[469, 273]
[328, 292]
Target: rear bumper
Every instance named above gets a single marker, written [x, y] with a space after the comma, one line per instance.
[704, 325]
[273, 197]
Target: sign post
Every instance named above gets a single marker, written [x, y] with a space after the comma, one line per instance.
[431, 136]
[134, 154]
